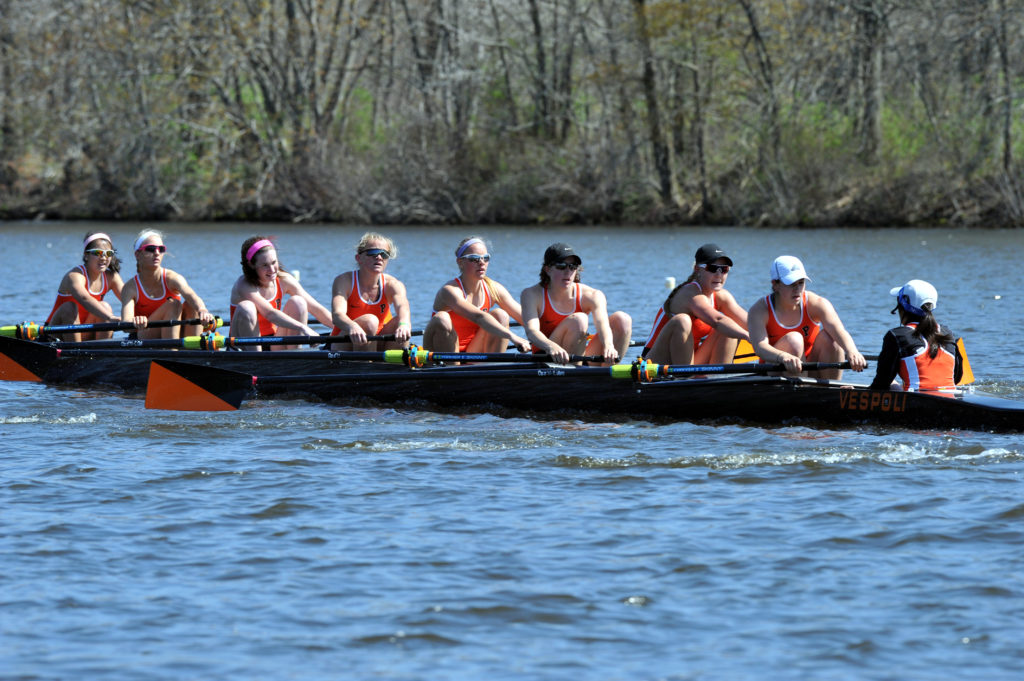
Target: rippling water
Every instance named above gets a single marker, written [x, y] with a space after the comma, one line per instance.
[294, 539]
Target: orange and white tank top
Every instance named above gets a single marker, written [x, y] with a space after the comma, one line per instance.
[807, 327]
[146, 306]
[551, 316]
[65, 297]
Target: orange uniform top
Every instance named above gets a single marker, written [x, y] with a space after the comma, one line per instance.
[357, 306]
[907, 355]
[700, 328]
[267, 327]
[464, 327]
[65, 297]
[807, 327]
[551, 317]
[146, 306]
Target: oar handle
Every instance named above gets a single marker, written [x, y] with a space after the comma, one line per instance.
[646, 371]
[417, 357]
[247, 341]
[32, 331]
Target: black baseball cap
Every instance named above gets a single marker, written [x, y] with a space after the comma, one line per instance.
[559, 252]
[708, 253]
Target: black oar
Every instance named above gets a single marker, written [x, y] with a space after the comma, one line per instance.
[209, 342]
[32, 331]
[188, 387]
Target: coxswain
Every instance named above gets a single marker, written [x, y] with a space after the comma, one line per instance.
[921, 353]
[555, 312]
[258, 306]
[700, 322]
[792, 325]
[472, 312]
[367, 302]
[160, 294]
[81, 291]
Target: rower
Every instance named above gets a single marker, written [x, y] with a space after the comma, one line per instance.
[792, 325]
[561, 334]
[924, 355]
[81, 291]
[366, 301]
[257, 298]
[158, 293]
[472, 311]
[699, 322]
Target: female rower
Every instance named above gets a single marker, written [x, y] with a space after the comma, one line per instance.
[923, 354]
[367, 302]
[257, 297]
[157, 293]
[81, 291]
[792, 325]
[472, 311]
[561, 334]
[700, 322]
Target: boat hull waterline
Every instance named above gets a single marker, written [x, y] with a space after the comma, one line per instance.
[536, 389]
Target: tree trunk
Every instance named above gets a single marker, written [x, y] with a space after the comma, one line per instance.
[658, 147]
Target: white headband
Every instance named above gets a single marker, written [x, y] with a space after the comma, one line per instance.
[142, 239]
[95, 237]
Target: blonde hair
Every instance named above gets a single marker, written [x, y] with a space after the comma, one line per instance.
[364, 242]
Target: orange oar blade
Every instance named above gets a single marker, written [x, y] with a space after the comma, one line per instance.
[179, 386]
[12, 371]
[968, 376]
[22, 360]
[744, 353]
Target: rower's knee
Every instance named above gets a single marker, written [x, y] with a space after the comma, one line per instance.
[500, 316]
[297, 308]
[576, 322]
[244, 321]
[792, 342]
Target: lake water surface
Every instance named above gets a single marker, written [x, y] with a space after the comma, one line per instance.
[302, 540]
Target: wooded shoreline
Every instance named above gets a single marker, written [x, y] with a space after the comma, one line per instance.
[514, 112]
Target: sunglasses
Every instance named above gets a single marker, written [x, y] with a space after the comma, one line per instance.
[153, 248]
[374, 252]
[100, 252]
[724, 269]
[566, 266]
[477, 257]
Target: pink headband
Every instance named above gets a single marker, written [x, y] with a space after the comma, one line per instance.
[262, 243]
[463, 247]
[95, 237]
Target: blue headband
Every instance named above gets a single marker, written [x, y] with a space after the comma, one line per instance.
[463, 247]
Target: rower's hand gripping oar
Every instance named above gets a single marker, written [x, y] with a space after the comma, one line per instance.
[33, 331]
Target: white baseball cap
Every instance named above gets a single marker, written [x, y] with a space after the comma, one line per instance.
[787, 269]
[913, 296]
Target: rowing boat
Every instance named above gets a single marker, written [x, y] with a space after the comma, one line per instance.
[533, 389]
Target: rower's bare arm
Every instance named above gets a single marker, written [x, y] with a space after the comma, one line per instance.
[454, 301]
[178, 282]
[757, 324]
[116, 283]
[80, 292]
[532, 302]
[735, 312]
[594, 302]
[719, 320]
[128, 294]
[823, 310]
[396, 292]
[506, 302]
[292, 287]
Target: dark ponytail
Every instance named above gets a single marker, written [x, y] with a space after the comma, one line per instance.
[929, 329]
